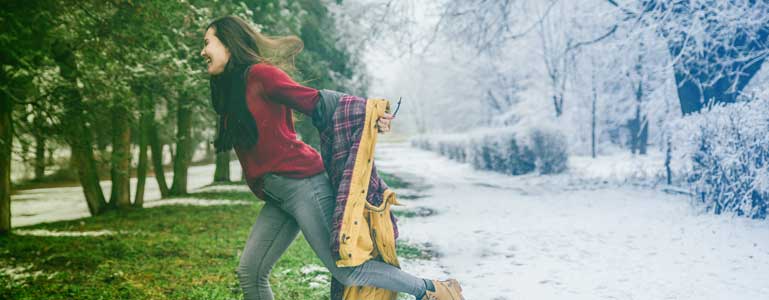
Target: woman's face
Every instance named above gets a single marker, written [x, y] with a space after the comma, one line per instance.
[214, 52]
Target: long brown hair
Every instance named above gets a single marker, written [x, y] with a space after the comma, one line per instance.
[228, 90]
[248, 46]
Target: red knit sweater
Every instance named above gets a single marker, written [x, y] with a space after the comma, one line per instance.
[271, 95]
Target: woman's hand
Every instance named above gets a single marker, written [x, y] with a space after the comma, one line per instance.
[383, 123]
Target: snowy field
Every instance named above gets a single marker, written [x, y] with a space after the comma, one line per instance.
[553, 237]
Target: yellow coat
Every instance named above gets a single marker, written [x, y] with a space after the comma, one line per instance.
[367, 231]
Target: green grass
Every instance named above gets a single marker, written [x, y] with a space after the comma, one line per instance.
[406, 251]
[396, 182]
[392, 180]
[167, 252]
[404, 213]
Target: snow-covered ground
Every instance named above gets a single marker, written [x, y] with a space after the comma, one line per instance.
[555, 237]
[35, 206]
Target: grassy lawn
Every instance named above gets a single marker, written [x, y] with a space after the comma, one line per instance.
[392, 180]
[166, 252]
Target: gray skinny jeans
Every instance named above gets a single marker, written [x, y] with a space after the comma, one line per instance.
[306, 204]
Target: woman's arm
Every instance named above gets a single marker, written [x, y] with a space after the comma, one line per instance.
[277, 86]
[327, 104]
[325, 108]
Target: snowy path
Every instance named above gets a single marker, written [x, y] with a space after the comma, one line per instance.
[530, 237]
[35, 206]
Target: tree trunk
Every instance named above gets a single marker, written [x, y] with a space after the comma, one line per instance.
[668, 159]
[634, 126]
[716, 75]
[50, 161]
[639, 131]
[593, 117]
[558, 104]
[210, 153]
[642, 122]
[592, 128]
[39, 149]
[141, 169]
[639, 126]
[121, 157]
[24, 153]
[643, 136]
[157, 159]
[78, 135]
[82, 155]
[6, 144]
[222, 172]
[183, 153]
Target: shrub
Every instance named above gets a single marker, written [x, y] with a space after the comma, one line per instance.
[502, 150]
[726, 157]
[551, 150]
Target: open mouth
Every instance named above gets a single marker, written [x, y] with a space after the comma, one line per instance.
[208, 60]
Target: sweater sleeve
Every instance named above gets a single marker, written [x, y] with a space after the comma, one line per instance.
[279, 87]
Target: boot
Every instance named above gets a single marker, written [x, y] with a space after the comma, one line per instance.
[445, 290]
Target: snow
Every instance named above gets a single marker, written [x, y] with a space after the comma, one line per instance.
[224, 188]
[553, 237]
[320, 278]
[29, 207]
[319, 281]
[312, 268]
[22, 272]
[196, 202]
[619, 167]
[44, 232]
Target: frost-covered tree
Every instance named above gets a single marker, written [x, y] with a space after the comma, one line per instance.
[717, 46]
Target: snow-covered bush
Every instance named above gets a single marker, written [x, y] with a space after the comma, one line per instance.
[503, 150]
[725, 155]
[550, 149]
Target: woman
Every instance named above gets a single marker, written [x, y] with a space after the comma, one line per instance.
[254, 98]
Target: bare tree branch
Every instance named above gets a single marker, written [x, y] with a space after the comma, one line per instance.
[593, 41]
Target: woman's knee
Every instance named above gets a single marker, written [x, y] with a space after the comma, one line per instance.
[349, 276]
[255, 284]
[345, 279]
[250, 271]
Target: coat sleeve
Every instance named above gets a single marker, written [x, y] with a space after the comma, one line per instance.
[323, 115]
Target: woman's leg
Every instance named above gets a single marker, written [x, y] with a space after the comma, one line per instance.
[270, 236]
[311, 202]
